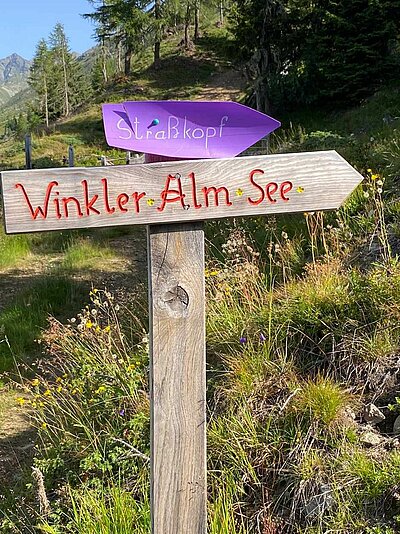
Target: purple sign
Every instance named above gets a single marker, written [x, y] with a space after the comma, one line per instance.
[185, 129]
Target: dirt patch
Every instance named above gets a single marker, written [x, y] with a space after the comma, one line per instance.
[227, 85]
[17, 438]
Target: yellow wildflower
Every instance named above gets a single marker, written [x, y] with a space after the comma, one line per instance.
[34, 404]
[59, 379]
[107, 328]
[59, 389]
[44, 425]
[21, 401]
[374, 176]
[89, 324]
[35, 382]
[101, 389]
[41, 404]
[47, 393]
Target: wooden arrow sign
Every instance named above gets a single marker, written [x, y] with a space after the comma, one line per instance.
[181, 191]
[185, 129]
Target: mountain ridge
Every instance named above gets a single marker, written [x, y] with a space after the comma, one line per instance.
[14, 72]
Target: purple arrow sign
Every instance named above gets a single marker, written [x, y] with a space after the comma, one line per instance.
[185, 129]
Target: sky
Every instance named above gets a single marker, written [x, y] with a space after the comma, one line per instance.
[24, 22]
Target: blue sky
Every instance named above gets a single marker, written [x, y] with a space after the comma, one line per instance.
[24, 22]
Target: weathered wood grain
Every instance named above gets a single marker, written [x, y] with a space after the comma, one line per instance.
[177, 378]
[319, 181]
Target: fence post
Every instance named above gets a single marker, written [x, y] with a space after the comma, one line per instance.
[28, 151]
[103, 161]
[71, 156]
[128, 158]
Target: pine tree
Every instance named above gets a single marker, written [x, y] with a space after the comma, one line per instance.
[40, 76]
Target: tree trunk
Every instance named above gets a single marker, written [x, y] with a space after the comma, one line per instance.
[46, 103]
[197, 20]
[187, 26]
[221, 12]
[157, 44]
[128, 59]
[66, 88]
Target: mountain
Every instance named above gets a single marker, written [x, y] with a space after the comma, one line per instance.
[14, 72]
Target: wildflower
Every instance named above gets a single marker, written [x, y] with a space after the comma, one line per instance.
[366, 194]
[374, 176]
[369, 170]
[284, 235]
[89, 324]
[379, 190]
[262, 338]
[59, 389]
[21, 401]
[122, 413]
[35, 382]
[34, 404]
[59, 379]
[116, 307]
[47, 393]
[379, 182]
[243, 340]
[239, 192]
[300, 189]
[107, 328]
[101, 389]
[73, 320]
[98, 329]
[44, 425]
[41, 404]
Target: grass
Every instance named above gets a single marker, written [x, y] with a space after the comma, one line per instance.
[302, 332]
[22, 321]
[85, 254]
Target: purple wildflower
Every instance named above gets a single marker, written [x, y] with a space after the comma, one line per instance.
[243, 340]
[262, 338]
[122, 413]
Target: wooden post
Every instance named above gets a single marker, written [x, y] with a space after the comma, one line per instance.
[177, 377]
[28, 151]
[128, 157]
[71, 156]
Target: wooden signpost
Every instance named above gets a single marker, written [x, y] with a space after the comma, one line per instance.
[173, 198]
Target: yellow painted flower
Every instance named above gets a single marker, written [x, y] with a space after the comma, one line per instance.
[239, 192]
[300, 189]
[150, 202]
[35, 382]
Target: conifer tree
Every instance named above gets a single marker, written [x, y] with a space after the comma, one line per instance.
[68, 78]
[40, 77]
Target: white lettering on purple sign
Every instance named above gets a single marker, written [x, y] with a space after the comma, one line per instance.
[176, 128]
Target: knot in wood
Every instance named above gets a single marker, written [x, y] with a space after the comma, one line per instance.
[176, 299]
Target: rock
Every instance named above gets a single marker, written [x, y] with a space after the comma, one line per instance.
[319, 503]
[370, 438]
[396, 425]
[372, 414]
